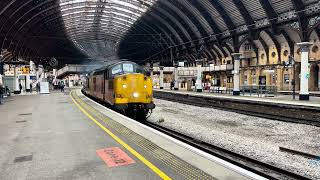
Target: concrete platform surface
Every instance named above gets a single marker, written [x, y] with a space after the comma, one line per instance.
[57, 136]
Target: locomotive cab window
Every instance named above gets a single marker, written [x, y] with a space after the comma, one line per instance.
[128, 67]
[116, 69]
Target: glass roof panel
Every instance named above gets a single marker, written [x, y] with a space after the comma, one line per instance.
[96, 19]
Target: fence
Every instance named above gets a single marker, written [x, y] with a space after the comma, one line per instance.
[260, 91]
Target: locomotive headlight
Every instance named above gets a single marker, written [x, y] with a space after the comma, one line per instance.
[145, 86]
[135, 95]
[124, 86]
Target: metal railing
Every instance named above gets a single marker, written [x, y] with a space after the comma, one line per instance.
[259, 90]
[221, 90]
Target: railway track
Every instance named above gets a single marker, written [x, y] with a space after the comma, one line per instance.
[266, 170]
[284, 113]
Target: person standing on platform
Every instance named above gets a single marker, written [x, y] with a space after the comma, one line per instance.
[30, 87]
[38, 87]
[62, 87]
[172, 85]
[20, 87]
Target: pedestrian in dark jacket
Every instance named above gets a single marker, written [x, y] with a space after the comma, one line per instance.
[172, 85]
[38, 87]
[20, 87]
[62, 87]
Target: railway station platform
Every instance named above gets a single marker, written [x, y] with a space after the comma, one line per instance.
[68, 136]
[281, 107]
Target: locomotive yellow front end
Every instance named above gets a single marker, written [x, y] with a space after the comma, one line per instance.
[133, 93]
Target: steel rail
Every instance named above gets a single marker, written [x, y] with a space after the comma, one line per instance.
[261, 168]
[208, 103]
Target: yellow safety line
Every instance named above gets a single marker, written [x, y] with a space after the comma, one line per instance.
[125, 145]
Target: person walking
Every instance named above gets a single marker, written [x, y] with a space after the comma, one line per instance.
[30, 87]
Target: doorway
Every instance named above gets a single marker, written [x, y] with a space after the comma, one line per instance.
[262, 80]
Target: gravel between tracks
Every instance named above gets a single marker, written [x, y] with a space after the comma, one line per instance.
[258, 138]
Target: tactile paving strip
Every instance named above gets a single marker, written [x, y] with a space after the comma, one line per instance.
[149, 149]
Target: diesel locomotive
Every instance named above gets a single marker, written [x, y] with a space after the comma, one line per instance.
[125, 86]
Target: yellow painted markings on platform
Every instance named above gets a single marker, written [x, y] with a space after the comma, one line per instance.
[155, 169]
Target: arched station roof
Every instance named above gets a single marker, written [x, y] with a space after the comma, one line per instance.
[151, 30]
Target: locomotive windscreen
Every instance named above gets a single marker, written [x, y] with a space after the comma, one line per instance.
[127, 67]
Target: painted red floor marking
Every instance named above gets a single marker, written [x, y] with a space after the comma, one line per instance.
[114, 157]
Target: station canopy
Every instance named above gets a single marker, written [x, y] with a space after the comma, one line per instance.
[97, 26]
[74, 31]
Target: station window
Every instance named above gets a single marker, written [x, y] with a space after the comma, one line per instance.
[254, 79]
[229, 80]
[286, 79]
[247, 47]
[245, 80]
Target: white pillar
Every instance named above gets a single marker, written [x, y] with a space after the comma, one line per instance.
[199, 79]
[305, 74]
[236, 74]
[161, 77]
[69, 81]
[28, 83]
[176, 78]
[32, 68]
[16, 81]
[1, 81]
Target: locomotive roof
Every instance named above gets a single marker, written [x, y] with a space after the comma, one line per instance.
[104, 68]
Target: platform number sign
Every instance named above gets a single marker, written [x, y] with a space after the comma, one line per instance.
[24, 70]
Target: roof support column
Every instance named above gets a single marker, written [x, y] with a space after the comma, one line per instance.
[199, 77]
[305, 74]
[16, 81]
[176, 77]
[236, 74]
[161, 77]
